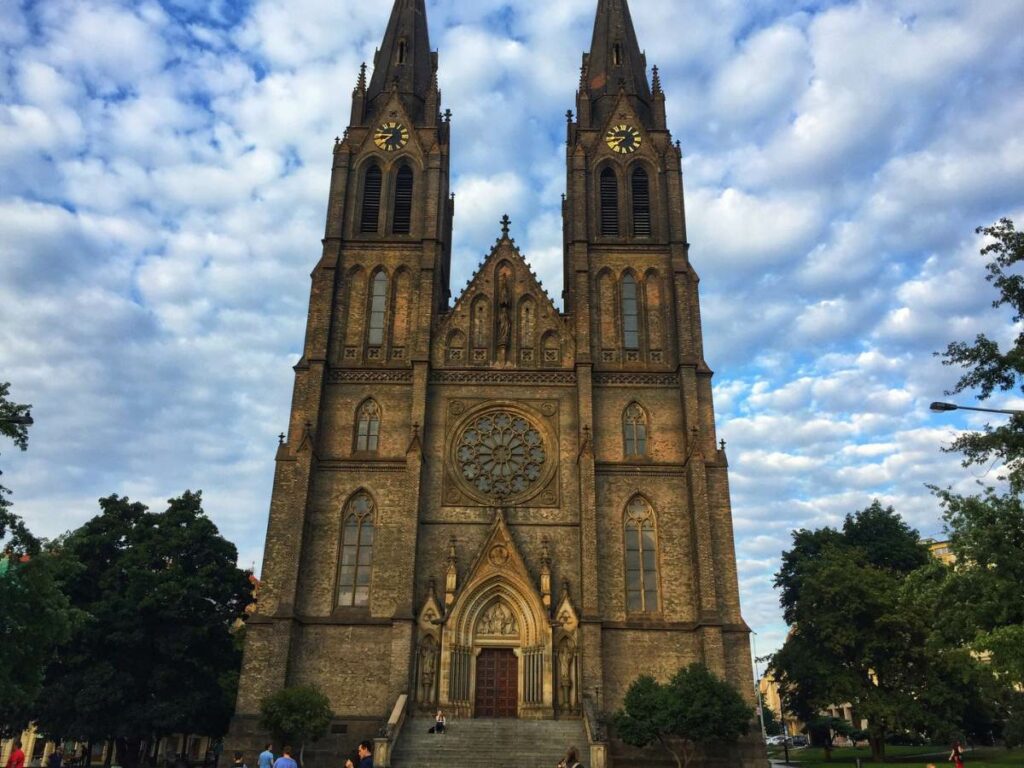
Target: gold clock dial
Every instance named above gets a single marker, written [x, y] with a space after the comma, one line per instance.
[623, 139]
[391, 136]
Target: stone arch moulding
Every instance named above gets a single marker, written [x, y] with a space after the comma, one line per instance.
[498, 584]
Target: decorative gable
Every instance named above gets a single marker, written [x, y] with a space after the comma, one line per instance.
[504, 318]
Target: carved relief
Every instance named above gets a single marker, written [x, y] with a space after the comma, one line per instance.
[655, 308]
[498, 621]
[481, 321]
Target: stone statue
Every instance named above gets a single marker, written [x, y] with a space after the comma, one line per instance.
[504, 311]
[566, 656]
[428, 664]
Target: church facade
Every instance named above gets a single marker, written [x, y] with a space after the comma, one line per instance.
[488, 504]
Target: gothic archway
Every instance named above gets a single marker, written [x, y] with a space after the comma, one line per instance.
[498, 610]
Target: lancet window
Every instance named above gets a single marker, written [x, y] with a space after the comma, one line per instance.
[368, 427]
[369, 220]
[630, 312]
[609, 202]
[641, 557]
[634, 428]
[378, 309]
[356, 551]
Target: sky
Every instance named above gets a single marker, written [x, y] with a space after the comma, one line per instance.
[164, 168]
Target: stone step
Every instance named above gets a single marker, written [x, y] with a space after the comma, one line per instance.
[488, 744]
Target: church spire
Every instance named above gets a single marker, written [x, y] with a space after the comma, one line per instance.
[615, 62]
[404, 61]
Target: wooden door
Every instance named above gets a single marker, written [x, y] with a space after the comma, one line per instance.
[497, 683]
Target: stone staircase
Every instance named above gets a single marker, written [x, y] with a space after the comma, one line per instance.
[489, 744]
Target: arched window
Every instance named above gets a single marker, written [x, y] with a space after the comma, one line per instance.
[368, 427]
[609, 202]
[356, 551]
[371, 200]
[641, 558]
[641, 204]
[630, 313]
[402, 220]
[378, 309]
[634, 430]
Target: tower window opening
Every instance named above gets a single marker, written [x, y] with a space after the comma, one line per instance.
[641, 558]
[378, 307]
[641, 204]
[402, 220]
[634, 424]
[401, 51]
[356, 553]
[368, 427]
[617, 54]
[630, 313]
[609, 203]
[371, 200]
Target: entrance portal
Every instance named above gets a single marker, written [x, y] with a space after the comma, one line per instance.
[497, 683]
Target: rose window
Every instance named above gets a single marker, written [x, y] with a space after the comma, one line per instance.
[501, 454]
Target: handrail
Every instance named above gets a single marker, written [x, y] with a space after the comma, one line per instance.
[384, 744]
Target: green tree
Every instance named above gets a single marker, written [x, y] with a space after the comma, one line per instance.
[772, 723]
[694, 708]
[34, 615]
[989, 368]
[853, 639]
[823, 730]
[296, 715]
[984, 597]
[159, 593]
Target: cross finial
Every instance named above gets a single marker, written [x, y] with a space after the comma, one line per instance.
[447, 115]
[506, 222]
[280, 439]
[721, 445]
[568, 115]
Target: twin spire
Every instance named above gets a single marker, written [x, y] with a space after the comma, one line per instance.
[406, 63]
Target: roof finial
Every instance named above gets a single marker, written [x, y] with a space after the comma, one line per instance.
[506, 222]
[656, 78]
[361, 85]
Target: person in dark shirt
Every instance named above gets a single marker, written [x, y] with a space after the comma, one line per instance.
[366, 754]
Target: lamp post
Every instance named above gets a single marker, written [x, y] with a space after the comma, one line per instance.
[944, 407]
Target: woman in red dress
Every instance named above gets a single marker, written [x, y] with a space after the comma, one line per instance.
[957, 755]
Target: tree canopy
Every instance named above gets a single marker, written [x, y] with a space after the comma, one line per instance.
[159, 593]
[298, 714]
[34, 614]
[692, 709]
[988, 368]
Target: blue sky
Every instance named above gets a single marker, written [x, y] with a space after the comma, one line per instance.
[163, 178]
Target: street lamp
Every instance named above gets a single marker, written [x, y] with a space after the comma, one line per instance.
[943, 407]
[21, 421]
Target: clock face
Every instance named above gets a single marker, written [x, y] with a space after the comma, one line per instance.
[391, 136]
[623, 139]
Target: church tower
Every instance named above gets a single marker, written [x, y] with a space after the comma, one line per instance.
[486, 504]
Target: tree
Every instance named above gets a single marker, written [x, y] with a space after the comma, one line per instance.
[823, 731]
[988, 368]
[986, 588]
[853, 638]
[692, 709]
[159, 593]
[298, 714]
[772, 722]
[34, 615]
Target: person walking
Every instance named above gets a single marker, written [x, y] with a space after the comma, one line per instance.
[366, 756]
[956, 757]
[266, 758]
[17, 757]
[285, 760]
[56, 758]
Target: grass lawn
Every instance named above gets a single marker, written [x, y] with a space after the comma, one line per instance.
[901, 757]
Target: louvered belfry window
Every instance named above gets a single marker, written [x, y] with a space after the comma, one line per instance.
[371, 200]
[403, 201]
[641, 204]
[609, 203]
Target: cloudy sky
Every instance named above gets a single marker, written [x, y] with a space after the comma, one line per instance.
[163, 176]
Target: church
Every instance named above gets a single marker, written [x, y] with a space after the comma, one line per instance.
[485, 503]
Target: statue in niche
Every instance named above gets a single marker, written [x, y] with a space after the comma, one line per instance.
[428, 667]
[566, 684]
[504, 312]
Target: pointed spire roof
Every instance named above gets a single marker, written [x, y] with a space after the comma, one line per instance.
[616, 61]
[404, 61]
